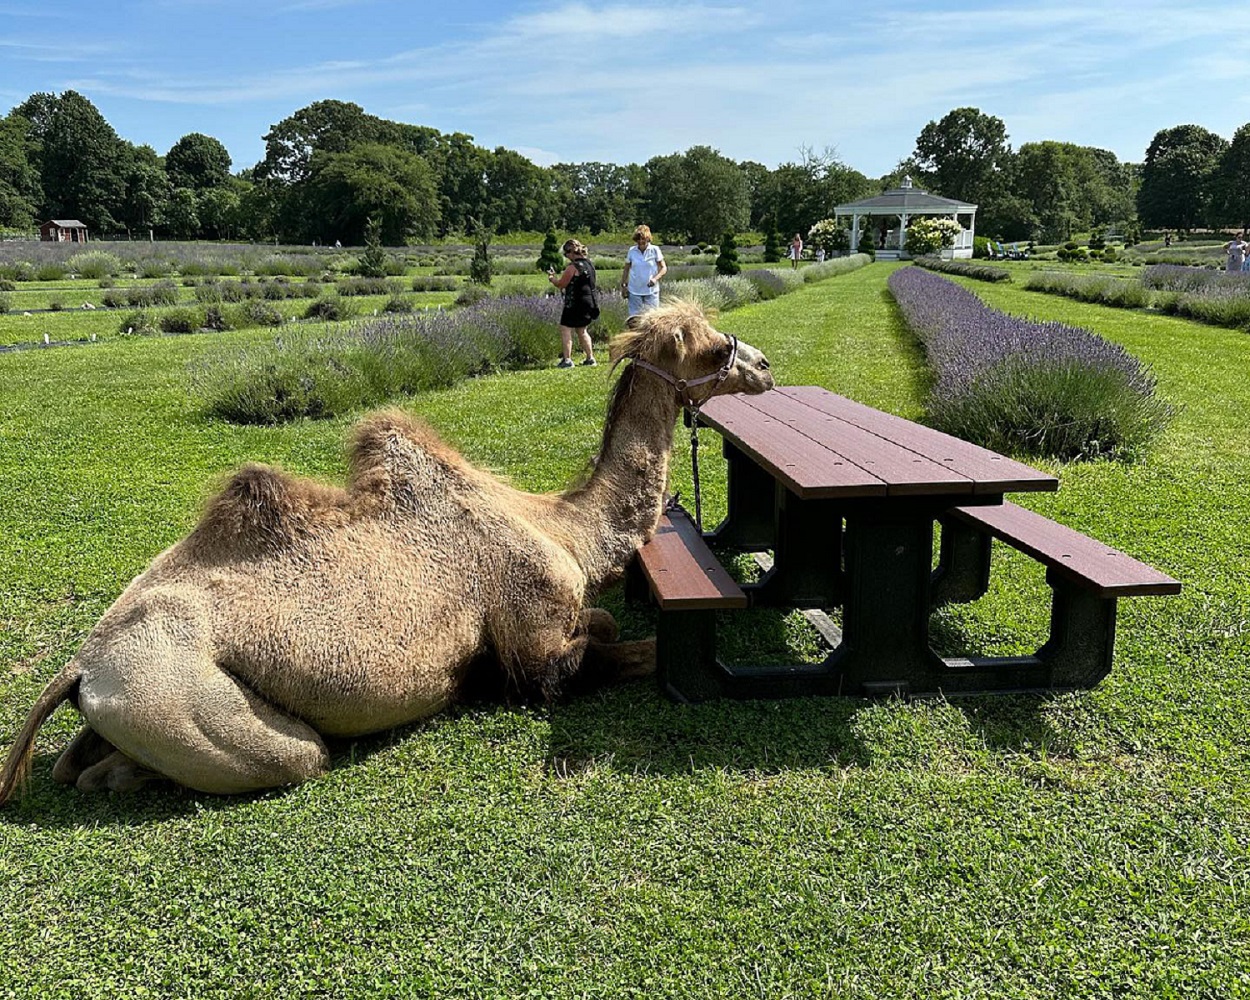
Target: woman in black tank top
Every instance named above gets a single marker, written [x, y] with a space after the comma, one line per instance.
[581, 303]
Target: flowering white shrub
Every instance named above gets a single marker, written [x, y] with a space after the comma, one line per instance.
[829, 236]
[930, 234]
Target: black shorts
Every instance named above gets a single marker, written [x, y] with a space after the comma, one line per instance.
[577, 316]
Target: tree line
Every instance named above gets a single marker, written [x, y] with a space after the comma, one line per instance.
[330, 169]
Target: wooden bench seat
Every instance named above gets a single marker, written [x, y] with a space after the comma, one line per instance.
[681, 571]
[1086, 578]
[1085, 561]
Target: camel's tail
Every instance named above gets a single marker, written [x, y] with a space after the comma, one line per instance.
[17, 765]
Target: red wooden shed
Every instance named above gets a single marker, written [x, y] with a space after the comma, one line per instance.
[63, 231]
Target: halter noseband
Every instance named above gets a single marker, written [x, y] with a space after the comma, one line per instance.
[683, 386]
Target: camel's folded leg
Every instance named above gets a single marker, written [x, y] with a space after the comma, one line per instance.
[157, 694]
[117, 773]
[620, 661]
[599, 625]
[87, 749]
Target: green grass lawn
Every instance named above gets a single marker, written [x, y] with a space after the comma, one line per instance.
[1091, 845]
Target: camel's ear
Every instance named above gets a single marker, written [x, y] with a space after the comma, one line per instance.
[634, 322]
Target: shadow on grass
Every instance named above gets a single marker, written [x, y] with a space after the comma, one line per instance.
[634, 729]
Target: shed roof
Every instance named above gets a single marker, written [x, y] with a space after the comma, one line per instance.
[66, 223]
[905, 198]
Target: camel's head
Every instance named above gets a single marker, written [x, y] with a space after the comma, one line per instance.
[678, 340]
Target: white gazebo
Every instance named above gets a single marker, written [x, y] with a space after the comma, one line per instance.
[902, 204]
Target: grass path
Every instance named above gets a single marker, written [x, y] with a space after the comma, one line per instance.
[1094, 845]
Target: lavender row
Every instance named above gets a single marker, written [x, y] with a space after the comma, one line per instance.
[1014, 385]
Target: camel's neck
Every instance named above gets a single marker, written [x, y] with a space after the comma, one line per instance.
[607, 518]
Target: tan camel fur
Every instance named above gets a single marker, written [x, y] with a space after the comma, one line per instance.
[295, 611]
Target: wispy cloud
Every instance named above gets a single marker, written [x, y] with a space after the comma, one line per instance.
[572, 79]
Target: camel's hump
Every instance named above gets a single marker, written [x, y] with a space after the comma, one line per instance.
[263, 507]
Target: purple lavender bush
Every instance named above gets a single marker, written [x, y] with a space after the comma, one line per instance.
[324, 374]
[1023, 387]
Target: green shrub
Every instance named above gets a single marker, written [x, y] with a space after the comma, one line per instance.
[94, 264]
[56, 304]
[471, 294]
[399, 304]
[215, 319]
[727, 262]
[51, 271]
[981, 272]
[434, 283]
[140, 323]
[163, 293]
[182, 320]
[368, 286]
[153, 268]
[830, 268]
[7, 286]
[772, 247]
[329, 308]
[549, 258]
[6, 303]
[254, 313]
[19, 270]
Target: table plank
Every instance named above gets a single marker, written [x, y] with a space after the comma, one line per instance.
[989, 471]
[805, 467]
[904, 471]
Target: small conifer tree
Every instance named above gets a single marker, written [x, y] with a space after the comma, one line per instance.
[772, 247]
[479, 266]
[549, 259]
[373, 260]
[866, 245]
[727, 262]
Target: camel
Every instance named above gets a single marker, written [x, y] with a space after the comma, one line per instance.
[296, 611]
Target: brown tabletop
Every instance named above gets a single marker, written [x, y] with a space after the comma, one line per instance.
[824, 446]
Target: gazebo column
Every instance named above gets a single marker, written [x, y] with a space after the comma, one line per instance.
[854, 233]
[902, 231]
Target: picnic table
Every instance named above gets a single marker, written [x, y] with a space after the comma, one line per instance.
[846, 497]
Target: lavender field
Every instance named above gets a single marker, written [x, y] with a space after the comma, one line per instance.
[1024, 387]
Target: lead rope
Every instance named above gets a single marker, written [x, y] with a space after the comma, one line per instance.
[693, 411]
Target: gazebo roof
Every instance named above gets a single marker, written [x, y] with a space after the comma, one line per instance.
[905, 198]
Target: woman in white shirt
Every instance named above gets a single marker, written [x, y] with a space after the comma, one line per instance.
[644, 267]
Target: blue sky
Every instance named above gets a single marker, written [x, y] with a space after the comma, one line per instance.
[567, 80]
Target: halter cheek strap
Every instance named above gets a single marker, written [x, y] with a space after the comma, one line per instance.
[683, 387]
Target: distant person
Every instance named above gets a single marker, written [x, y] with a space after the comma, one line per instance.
[1236, 249]
[581, 302]
[796, 250]
[820, 255]
[644, 267]
[338, 245]
[1167, 240]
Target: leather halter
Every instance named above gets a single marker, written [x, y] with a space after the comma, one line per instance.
[683, 386]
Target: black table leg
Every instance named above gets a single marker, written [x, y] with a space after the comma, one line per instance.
[807, 555]
[885, 622]
[750, 524]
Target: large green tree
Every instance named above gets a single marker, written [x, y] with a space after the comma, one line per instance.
[797, 195]
[197, 161]
[962, 154]
[519, 194]
[81, 160]
[19, 180]
[145, 204]
[395, 187]
[1178, 177]
[699, 194]
[1232, 181]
